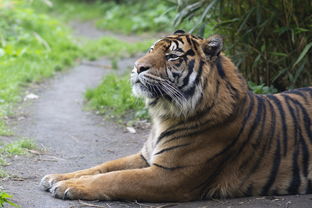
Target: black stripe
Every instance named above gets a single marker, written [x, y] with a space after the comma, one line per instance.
[256, 145]
[273, 124]
[220, 68]
[249, 190]
[190, 52]
[143, 158]
[171, 148]
[154, 102]
[283, 120]
[306, 117]
[188, 93]
[309, 187]
[274, 169]
[190, 68]
[188, 40]
[295, 181]
[168, 168]
[254, 126]
[175, 38]
[298, 133]
[299, 93]
[305, 157]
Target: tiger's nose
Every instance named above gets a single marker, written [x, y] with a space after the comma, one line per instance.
[141, 67]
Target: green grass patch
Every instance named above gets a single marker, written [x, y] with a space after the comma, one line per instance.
[3, 162]
[3, 174]
[113, 98]
[19, 147]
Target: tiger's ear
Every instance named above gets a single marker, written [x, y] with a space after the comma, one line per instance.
[179, 32]
[213, 46]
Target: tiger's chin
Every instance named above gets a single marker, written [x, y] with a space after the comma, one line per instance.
[140, 91]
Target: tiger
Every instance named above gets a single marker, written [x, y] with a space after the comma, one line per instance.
[211, 136]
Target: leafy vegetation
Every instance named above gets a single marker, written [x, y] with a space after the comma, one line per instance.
[113, 98]
[137, 17]
[32, 47]
[128, 17]
[5, 199]
[261, 89]
[269, 41]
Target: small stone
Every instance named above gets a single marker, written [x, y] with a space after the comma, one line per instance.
[131, 130]
[31, 96]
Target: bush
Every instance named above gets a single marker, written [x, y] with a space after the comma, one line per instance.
[270, 41]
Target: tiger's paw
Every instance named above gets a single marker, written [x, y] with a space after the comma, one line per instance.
[66, 190]
[48, 181]
[76, 188]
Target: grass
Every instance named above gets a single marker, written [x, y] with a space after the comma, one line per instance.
[19, 147]
[113, 98]
[32, 47]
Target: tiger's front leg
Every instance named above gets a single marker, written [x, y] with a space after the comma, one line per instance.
[129, 162]
[146, 184]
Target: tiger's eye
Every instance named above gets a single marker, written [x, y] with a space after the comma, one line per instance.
[172, 56]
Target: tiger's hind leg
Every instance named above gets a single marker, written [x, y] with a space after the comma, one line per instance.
[129, 162]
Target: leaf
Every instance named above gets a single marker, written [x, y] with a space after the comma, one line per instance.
[279, 54]
[303, 53]
[186, 12]
[297, 74]
[204, 15]
[279, 74]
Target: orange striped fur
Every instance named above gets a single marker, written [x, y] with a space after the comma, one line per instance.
[211, 137]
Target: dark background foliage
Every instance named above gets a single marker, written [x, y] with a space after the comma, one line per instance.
[270, 41]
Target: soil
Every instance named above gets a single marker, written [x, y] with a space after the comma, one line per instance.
[73, 138]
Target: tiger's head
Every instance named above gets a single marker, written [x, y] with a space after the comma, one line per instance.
[180, 74]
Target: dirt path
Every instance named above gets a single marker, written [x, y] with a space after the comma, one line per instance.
[75, 139]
